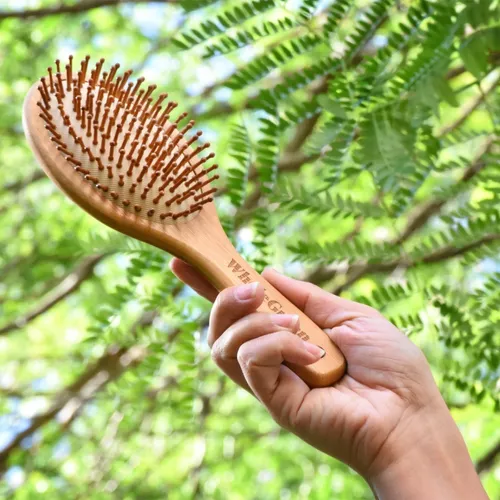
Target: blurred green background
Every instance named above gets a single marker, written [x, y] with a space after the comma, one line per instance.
[359, 149]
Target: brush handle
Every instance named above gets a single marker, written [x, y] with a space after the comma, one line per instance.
[227, 268]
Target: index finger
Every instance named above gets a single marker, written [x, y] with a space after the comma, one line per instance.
[193, 278]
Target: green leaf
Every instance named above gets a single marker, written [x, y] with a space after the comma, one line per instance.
[475, 49]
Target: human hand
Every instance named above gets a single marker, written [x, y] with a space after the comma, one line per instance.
[382, 418]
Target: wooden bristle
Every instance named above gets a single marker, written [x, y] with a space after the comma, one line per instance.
[51, 79]
[122, 139]
[69, 77]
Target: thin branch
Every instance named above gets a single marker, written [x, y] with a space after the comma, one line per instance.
[302, 132]
[320, 85]
[206, 410]
[21, 393]
[469, 107]
[223, 108]
[76, 8]
[287, 163]
[135, 355]
[69, 284]
[451, 251]
[431, 207]
[15, 187]
[291, 160]
[70, 402]
[109, 367]
[416, 221]
[440, 255]
[107, 450]
[292, 33]
[419, 218]
[487, 461]
[494, 58]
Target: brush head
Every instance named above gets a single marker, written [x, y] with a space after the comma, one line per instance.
[123, 142]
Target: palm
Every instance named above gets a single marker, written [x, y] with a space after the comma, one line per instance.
[354, 420]
[369, 402]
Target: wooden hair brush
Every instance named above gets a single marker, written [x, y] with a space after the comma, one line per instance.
[117, 152]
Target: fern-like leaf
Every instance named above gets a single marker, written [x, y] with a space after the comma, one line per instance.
[343, 251]
[240, 149]
[191, 5]
[243, 37]
[297, 198]
[336, 14]
[308, 9]
[366, 27]
[476, 48]
[435, 52]
[280, 55]
[220, 22]
[267, 150]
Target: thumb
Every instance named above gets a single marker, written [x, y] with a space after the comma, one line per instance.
[325, 309]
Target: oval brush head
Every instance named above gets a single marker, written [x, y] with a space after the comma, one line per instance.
[124, 142]
[118, 152]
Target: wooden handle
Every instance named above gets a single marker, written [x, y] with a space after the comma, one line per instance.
[230, 269]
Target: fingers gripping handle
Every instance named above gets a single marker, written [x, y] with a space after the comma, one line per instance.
[331, 366]
[322, 373]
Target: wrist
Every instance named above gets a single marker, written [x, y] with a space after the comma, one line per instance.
[426, 458]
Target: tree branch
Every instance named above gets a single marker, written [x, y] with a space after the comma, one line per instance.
[287, 163]
[69, 284]
[109, 367]
[451, 251]
[469, 107]
[487, 461]
[416, 221]
[494, 58]
[76, 8]
[69, 403]
[206, 409]
[302, 132]
[431, 207]
[440, 255]
[15, 187]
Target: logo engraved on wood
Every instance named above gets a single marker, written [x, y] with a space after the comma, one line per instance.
[274, 305]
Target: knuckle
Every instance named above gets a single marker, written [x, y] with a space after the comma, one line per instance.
[225, 301]
[244, 356]
[215, 357]
[217, 354]
[283, 338]
[247, 359]
[287, 420]
[211, 335]
[354, 331]
[221, 301]
[252, 323]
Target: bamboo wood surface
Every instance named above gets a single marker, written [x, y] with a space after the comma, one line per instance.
[200, 241]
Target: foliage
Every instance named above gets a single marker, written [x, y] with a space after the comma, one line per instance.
[359, 147]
